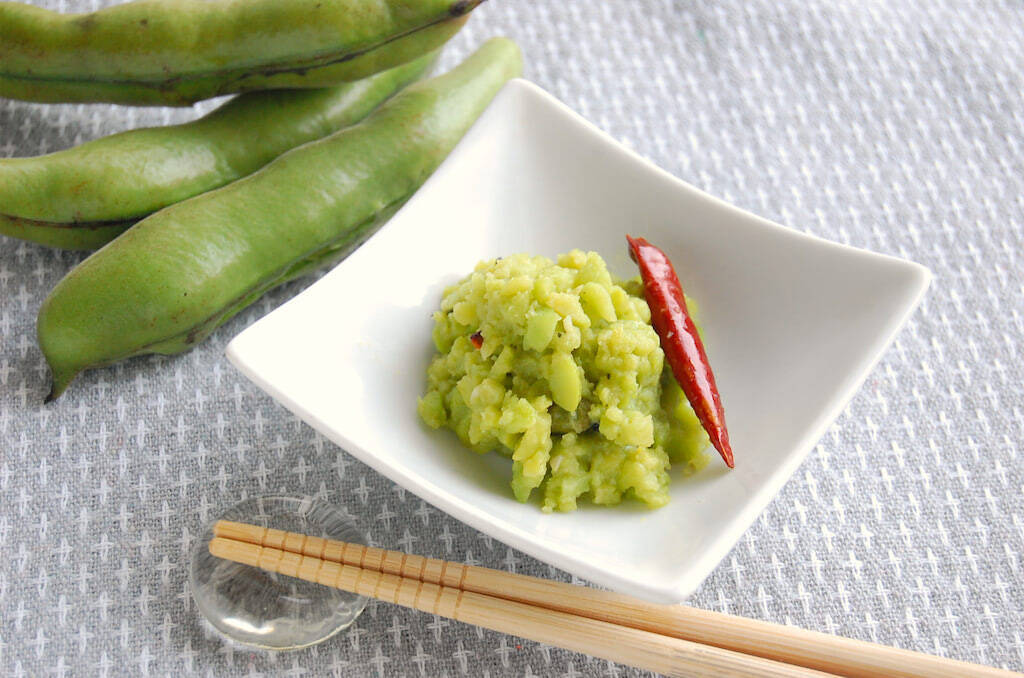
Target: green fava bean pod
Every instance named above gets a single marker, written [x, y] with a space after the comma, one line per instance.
[166, 283]
[83, 197]
[177, 52]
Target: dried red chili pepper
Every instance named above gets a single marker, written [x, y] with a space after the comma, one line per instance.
[477, 339]
[683, 348]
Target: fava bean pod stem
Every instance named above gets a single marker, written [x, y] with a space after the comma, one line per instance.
[683, 347]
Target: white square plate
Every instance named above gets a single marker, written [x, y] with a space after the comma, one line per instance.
[793, 325]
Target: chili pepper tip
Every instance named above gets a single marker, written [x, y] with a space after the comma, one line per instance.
[726, 451]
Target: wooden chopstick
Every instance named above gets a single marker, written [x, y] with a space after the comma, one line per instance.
[621, 644]
[783, 644]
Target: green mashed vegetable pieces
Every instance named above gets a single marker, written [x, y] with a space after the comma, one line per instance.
[569, 379]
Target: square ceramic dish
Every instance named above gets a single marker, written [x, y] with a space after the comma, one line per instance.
[793, 325]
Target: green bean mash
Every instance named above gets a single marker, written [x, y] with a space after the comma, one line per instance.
[558, 366]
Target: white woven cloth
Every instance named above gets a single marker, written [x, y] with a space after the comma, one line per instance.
[893, 126]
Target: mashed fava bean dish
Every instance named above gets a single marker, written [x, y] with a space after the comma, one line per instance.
[558, 366]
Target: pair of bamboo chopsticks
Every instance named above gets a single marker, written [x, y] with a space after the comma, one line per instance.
[672, 639]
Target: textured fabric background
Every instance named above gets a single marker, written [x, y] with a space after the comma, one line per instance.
[896, 127]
